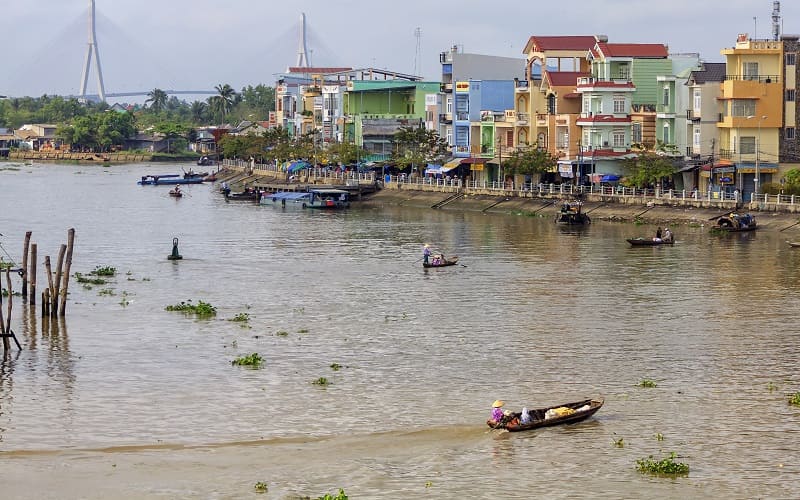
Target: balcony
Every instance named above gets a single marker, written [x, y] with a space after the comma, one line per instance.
[446, 88]
[521, 85]
[523, 118]
[691, 116]
[754, 78]
[446, 117]
[462, 116]
[541, 119]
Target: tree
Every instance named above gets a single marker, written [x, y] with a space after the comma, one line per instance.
[647, 168]
[416, 145]
[171, 131]
[222, 103]
[198, 111]
[527, 160]
[157, 99]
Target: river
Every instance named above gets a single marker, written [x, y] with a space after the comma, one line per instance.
[124, 399]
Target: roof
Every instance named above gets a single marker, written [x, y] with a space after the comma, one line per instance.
[570, 42]
[638, 50]
[320, 70]
[564, 78]
[711, 72]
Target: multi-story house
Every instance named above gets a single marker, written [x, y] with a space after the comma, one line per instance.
[295, 97]
[547, 106]
[705, 87]
[788, 142]
[752, 106]
[619, 102]
[457, 66]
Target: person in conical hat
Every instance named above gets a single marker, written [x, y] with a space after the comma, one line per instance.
[426, 253]
[497, 411]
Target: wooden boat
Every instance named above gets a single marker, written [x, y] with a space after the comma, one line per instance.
[794, 244]
[582, 410]
[433, 262]
[247, 195]
[570, 214]
[650, 242]
[167, 179]
[175, 193]
[328, 199]
[734, 223]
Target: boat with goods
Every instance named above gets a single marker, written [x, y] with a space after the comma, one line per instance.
[570, 214]
[440, 261]
[566, 413]
[735, 222]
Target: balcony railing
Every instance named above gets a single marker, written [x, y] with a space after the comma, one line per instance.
[755, 78]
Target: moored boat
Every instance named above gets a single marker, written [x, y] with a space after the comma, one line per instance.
[167, 179]
[552, 415]
[735, 222]
[570, 214]
[794, 244]
[328, 199]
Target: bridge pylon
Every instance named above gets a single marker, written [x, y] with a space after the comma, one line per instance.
[92, 52]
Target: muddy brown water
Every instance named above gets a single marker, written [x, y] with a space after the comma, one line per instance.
[126, 400]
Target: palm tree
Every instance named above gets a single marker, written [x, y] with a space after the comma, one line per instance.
[223, 102]
[157, 99]
[198, 111]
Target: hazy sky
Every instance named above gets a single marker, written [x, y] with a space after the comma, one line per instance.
[197, 44]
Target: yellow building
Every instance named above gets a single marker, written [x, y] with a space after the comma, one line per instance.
[751, 114]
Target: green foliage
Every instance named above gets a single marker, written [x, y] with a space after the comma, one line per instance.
[322, 381]
[526, 160]
[339, 496]
[282, 333]
[659, 436]
[302, 330]
[254, 359]
[241, 317]
[336, 367]
[794, 399]
[771, 387]
[104, 271]
[202, 309]
[647, 383]
[80, 278]
[665, 466]
[106, 291]
[619, 443]
[415, 146]
[261, 487]
[647, 169]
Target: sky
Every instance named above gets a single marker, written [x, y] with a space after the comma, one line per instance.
[198, 44]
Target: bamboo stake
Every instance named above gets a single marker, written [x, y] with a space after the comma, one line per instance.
[10, 302]
[6, 343]
[32, 299]
[46, 303]
[56, 288]
[49, 290]
[25, 247]
[68, 265]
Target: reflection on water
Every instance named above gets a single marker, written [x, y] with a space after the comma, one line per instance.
[534, 314]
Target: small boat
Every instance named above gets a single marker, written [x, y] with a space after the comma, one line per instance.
[794, 244]
[191, 174]
[570, 214]
[205, 161]
[246, 195]
[439, 261]
[167, 179]
[567, 413]
[210, 178]
[650, 242]
[177, 193]
[734, 223]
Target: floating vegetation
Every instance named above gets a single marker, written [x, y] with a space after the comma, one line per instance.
[299, 310]
[254, 359]
[104, 271]
[322, 381]
[107, 291]
[203, 309]
[336, 367]
[619, 443]
[302, 330]
[15, 294]
[428, 484]
[659, 436]
[794, 399]
[261, 487]
[339, 496]
[666, 466]
[241, 317]
[282, 333]
[80, 278]
[646, 382]
[638, 221]
[124, 302]
[771, 387]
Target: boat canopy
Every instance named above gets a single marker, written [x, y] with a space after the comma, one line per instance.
[289, 195]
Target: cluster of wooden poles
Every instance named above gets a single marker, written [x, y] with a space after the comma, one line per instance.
[54, 296]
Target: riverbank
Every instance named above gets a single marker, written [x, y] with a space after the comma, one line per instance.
[121, 157]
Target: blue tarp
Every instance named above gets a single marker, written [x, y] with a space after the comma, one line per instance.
[296, 166]
[609, 178]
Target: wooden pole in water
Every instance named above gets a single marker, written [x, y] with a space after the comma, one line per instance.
[49, 290]
[46, 303]
[32, 299]
[6, 343]
[56, 288]
[25, 247]
[10, 302]
[68, 265]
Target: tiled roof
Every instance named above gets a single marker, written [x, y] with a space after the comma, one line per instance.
[564, 78]
[603, 119]
[576, 42]
[711, 72]
[606, 83]
[654, 50]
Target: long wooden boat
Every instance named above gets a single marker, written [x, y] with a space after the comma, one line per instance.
[167, 179]
[794, 244]
[443, 263]
[242, 196]
[538, 417]
[570, 214]
[649, 242]
[736, 223]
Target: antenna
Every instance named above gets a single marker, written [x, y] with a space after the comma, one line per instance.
[755, 28]
[776, 20]
[92, 49]
[418, 51]
[302, 52]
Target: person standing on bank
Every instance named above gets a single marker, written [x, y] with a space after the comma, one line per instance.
[426, 254]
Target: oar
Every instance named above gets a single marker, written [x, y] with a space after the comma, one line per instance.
[595, 208]
[545, 206]
[718, 216]
[787, 227]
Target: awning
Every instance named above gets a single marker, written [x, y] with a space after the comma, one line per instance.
[296, 166]
[433, 169]
[450, 165]
[609, 178]
[565, 169]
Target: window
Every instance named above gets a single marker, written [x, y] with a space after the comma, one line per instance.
[586, 108]
[697, 100]
[636, 132]
[790, 59]
[551, 104]
[747, 145]
[743, 107]
[449, 135]
[618, 136]
[665, 99]
[790, 132]
[790, 95]
[696, 137]
[619, 104]
[562, 138]
[750, 71]
[624, 72]
[449, 105]
[665, 136]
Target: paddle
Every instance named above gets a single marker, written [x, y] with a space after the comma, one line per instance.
[718, 216]
[787, 227]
